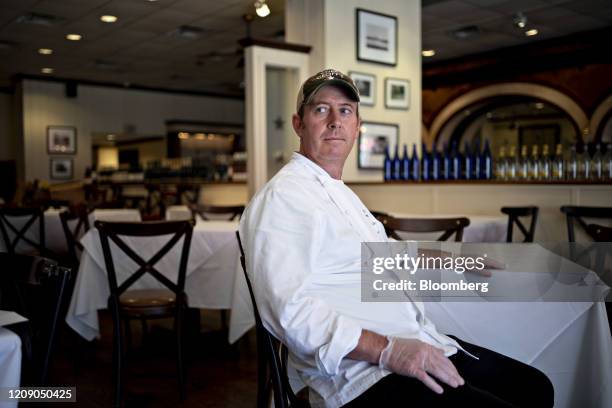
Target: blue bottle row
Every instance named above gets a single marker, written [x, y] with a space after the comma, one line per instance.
[449, 164]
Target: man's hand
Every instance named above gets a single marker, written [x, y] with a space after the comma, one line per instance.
[414, 358]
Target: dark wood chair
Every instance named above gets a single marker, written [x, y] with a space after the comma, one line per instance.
[232, 211]
[126, 305]
[9, 226]
[382, 217]
[578, 213]
[79, 216]
[448, 226]
[602, 233]
[271, 359]
[514, 214]
[36, 288]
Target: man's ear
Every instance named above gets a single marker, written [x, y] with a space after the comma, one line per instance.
[298, 124]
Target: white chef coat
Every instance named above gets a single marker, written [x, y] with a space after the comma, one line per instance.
[302, 233]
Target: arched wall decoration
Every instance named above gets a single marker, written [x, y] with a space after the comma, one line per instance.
[599, 118]
[542, 92]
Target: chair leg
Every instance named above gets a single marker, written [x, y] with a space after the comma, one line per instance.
[117, 363]
[179, 353]
[224, 327]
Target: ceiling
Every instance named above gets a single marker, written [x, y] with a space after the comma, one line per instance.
[143, 48]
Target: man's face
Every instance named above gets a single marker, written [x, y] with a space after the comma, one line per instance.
[329, 126]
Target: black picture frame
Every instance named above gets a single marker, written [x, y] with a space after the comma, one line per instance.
[366, 83]
[376, 37]
[61, 168]
[397, 93]
[373, 139]
[61, 140]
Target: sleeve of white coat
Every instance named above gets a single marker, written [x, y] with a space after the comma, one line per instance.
[282, 241]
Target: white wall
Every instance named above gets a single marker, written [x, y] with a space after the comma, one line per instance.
[102, 109]
[334, 43]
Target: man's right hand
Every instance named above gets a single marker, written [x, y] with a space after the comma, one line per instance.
[414, 358]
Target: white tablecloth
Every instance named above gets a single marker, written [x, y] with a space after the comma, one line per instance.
[210, 272]
[569, 341]
[10, 362]
[482, 228]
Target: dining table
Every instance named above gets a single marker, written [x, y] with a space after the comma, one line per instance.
[10, 355]
[569, 341]
[211, 270]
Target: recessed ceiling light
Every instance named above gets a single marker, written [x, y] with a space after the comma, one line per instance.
[110, 137]
[47, 70]
[539, 105]
[428, 53]
[531, 32]
[45, 51]
[107, 18]
[73, 37]
[261, 8]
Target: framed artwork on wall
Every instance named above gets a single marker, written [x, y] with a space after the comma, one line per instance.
[376, 37]
[366, 83]
[374, 138]
[397, 93]
[61, 140]
[61, 168]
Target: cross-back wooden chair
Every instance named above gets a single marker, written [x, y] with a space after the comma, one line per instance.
[9, 225]
[513, 214]
[80, 217]
[448, 226]
[36, 288]
[140, 304]
[232, 211]
[578, 213]
[271, 358]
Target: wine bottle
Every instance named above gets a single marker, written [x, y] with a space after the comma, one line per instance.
[455, 163]
[572, 165]
[478, 160]
[533, 163]
[446, 163]
[544, 165]
[558, 171]
[425, 163]
[607, 162]
[387, 165]
[435, 164]
[468, 165]
[597, 164]
[405, 165]
[501, 167]
[397, 164]
[486, 162]
[416, 164]
[523, 169]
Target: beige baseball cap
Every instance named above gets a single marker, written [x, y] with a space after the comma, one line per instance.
[326, 77]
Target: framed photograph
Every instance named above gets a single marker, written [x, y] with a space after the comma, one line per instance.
[373, 139]
[366, 84]
[397, 93]
[61, 168]
[61, 140]
[376, 37]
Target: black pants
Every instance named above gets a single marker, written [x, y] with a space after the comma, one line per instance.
[492, 381]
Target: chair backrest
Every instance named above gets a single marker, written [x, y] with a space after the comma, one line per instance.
[9, 225]
[36, 288]
[600, 233]
[189, 191]
[271, 356]
[232, 211]
[81, 226]
[113, 230]
[448, 226]
[513, 214]
[577, 213]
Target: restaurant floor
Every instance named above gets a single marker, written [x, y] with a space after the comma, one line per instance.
[217, 375]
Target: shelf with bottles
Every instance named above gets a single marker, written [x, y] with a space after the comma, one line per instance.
[475, 164]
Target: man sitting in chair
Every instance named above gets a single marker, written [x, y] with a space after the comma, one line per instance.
[302, 235]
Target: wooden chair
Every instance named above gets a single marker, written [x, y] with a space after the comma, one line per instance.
[449, 226]
[8, 224]
[271, 359]
[36, 288]
[232, 211]
[126, 305]
[513, 214]
[382, 217]
[80, 216]
[602, 233]
[577, 213]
